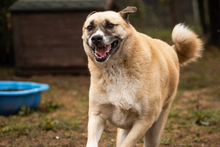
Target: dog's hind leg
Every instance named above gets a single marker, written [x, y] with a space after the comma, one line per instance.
[137, 131]
[121, 135]
[153, 135]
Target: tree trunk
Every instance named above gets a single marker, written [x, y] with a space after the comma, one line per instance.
[202, 16]
[172, 13]
[214, 17]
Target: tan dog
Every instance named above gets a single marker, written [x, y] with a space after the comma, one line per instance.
[134, 77]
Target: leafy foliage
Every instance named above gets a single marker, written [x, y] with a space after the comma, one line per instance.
[24, 111]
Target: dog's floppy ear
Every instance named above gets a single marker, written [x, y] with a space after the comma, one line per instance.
[90, 14]
[125, 12]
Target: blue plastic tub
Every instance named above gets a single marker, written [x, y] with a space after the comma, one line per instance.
[14, 94]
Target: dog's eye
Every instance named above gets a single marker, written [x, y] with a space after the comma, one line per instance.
[109, 26]
[90, 27]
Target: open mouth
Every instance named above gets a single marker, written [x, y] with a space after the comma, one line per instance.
[102, 53]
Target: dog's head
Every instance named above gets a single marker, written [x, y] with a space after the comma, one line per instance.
[105, 32]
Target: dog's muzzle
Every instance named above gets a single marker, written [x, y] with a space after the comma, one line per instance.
[101, 50]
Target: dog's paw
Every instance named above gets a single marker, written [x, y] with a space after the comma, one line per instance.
[92, 144]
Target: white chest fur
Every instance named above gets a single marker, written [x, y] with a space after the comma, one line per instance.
[120, 89]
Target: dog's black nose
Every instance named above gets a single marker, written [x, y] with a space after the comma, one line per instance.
[97, 39]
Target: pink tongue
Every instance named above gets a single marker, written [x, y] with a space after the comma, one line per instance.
[101, 51]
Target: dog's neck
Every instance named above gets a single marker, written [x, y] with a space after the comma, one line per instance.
[120, 77]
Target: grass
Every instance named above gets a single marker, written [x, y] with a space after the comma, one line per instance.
[203, 73]
[7, 71]
[161, 33]
[165, 141]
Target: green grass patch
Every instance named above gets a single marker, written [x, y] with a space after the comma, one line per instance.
[48, 124]
[159, 33]
[206, 117]
[203, 73]
[16, 129]
[165, 141]
[7, 71]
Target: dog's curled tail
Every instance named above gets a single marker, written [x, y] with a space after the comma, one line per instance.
[187, 44]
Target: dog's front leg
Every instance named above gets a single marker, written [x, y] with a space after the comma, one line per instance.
[96, 126]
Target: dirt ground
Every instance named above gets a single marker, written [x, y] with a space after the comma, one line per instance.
[61, 117]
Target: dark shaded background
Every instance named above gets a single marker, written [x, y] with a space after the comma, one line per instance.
[202, 14]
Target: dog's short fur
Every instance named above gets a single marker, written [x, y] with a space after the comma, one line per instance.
[134, 77]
